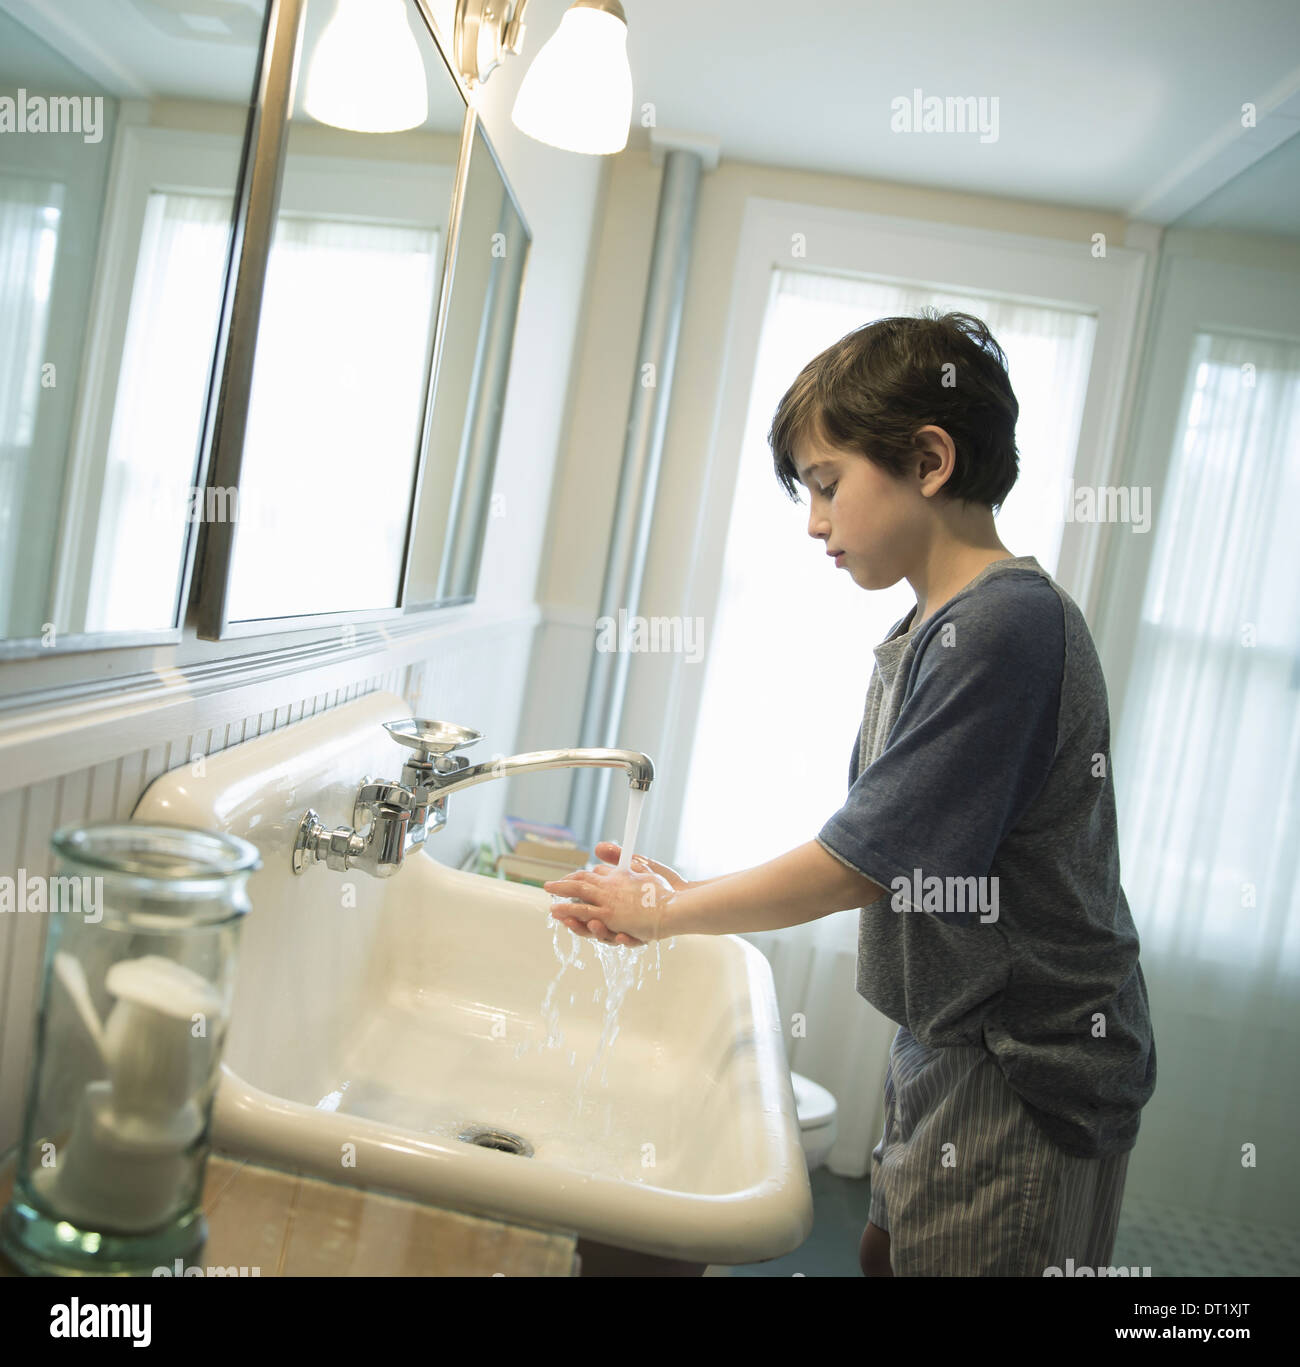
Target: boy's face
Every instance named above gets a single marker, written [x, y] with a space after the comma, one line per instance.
[855, 508]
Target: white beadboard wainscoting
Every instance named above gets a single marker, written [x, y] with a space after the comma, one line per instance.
[474, 674]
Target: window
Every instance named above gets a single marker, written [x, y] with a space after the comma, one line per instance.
[309, 445]
[158, 413]
[29, 230]
[791, 643]
[1209, 763]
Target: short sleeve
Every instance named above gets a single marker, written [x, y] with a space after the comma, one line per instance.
[971, 747]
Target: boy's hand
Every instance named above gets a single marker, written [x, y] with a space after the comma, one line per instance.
[610, 852]
[613, 906]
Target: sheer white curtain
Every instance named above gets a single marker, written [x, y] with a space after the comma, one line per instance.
[315, 422]
[158, 410]
[335, 411]
[791, 652]
[1207, 773]
[29, 235]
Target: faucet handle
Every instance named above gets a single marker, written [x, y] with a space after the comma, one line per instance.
[371, 795]
[430, 739]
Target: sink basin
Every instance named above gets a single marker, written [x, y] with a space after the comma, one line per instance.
[381, 1027]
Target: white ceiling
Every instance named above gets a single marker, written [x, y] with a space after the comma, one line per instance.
[1264, 198]
[1130, 106]
[134, 49]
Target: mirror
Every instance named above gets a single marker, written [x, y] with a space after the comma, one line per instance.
[1218, 421]
[492, 245]
[122, 124]
[348, 319]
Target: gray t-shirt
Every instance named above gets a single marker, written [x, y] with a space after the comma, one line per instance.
[982, 781]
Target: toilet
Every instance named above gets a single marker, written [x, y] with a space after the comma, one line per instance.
[816, 1107]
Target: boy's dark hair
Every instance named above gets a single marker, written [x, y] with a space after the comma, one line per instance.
[877, 386]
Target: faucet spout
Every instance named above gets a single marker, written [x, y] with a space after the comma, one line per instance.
[640, 768]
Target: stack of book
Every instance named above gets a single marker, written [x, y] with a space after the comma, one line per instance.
[532, 852]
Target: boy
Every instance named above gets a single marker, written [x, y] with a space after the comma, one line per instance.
[978, 837]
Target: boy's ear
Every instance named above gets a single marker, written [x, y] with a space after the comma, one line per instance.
[932, 447]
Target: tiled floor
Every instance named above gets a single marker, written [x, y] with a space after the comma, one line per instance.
[1172, 1241]
[1175, 1242]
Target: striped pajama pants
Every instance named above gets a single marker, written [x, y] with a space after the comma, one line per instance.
[965, 1183]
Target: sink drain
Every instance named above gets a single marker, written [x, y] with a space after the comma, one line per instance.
[485, 1138]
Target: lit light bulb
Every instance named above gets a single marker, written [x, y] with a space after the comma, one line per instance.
[578, 92]
[367, 73]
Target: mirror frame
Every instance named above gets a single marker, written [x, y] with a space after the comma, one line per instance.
[474, 127]
[28, 647]
[229, 405]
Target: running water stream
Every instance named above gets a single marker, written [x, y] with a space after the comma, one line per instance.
[621, 966]
[635, 797]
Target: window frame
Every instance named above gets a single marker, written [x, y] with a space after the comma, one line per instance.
[663, 703]
[147, 159]
[1195, 293]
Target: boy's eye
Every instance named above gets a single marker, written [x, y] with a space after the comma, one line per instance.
[829, 490]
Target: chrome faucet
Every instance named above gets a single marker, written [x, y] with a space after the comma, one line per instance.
[403, 815]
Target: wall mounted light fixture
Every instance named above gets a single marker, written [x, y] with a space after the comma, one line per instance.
[367, 73]
[577, 95]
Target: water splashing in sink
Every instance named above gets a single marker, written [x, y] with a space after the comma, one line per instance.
[622, 967]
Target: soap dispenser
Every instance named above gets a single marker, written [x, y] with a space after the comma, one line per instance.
[136, 997]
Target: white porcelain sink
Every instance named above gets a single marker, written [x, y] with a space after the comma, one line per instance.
[377, 1019]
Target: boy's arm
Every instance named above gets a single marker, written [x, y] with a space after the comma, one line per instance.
[801, 886]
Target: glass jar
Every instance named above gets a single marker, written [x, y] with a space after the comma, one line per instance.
[136, 997]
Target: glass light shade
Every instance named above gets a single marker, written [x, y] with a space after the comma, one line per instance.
[578, 92]
[367, 73]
